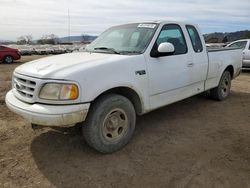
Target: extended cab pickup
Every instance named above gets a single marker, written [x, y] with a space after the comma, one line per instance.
[128, 70]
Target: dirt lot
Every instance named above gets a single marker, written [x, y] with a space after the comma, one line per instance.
[193, 143]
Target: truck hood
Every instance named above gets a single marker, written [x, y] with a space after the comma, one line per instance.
[51, 67]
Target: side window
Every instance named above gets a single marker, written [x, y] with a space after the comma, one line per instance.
[195, 38]
[241, 44]
[172, 33]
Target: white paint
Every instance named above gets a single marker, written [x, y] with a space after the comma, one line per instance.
[41, 114]
[168, 79]
[166, 47]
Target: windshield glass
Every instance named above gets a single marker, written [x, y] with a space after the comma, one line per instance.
[129, 38]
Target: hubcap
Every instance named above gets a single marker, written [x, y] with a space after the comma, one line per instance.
[115, 125]
[8, 59]
[225, 88]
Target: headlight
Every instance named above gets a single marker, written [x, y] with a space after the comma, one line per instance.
[54, 91]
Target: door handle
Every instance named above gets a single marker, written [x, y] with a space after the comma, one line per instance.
[190, 64]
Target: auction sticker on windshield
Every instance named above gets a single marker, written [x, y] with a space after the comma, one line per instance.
[152, 26]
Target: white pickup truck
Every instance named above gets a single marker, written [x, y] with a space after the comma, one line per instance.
[128, 70]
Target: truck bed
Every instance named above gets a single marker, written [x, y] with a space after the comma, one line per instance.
[219, 58]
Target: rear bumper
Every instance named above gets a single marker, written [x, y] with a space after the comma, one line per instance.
[48, 115]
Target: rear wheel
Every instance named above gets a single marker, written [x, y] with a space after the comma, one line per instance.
[223, 90]
[110, 123]
[8, 59]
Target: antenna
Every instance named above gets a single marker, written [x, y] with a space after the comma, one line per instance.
[68, 26]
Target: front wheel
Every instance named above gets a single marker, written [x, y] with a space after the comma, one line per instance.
[221, 92]
[110, 123]
[8, 59]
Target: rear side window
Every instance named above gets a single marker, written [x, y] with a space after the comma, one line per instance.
[241, 44]
[195, 38]
[172, 33]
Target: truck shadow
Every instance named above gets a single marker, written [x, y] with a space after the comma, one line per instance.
[66, 161]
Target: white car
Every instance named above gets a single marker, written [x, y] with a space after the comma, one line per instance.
[245, 45]
[128, 70]
[27, 50]
[43, 50]
[58, 50]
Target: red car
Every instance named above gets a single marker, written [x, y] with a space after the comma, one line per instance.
[8, 55]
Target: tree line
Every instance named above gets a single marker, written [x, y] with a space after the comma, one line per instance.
[46, 39]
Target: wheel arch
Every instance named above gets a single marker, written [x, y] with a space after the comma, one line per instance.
[230, 69]
[129, 93]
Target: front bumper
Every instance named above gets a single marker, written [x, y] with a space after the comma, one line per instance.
[246, 64]
[48, 115]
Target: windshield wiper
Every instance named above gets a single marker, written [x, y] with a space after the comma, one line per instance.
[107, 49]
[129, 52]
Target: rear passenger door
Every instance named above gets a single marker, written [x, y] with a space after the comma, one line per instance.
[199, 55]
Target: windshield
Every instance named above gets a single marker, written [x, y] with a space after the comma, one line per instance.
[124, 39]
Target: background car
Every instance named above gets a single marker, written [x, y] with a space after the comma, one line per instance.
[26, 50]
[58, 49]
[245, 45]
[8, 55]
[43, 50]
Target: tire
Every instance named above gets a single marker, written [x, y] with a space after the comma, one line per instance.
[221, 92]
[110, 123]
[8, 59]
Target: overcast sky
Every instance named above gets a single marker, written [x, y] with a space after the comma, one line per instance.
[38, 17]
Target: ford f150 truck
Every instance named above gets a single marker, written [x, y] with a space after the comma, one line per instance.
[128, 70]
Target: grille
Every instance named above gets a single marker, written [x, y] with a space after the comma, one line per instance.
[24, 87]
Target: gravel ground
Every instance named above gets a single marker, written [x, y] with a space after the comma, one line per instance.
[197, 142]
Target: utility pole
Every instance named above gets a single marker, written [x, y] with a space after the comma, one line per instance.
[68, 26]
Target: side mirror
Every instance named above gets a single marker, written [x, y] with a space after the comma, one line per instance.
[166, 47]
